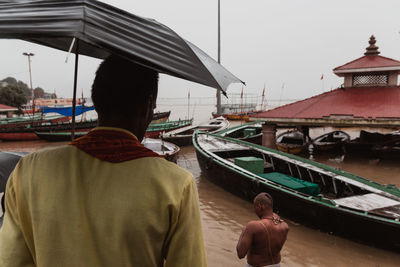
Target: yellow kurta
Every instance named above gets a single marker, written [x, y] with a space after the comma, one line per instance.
[67, 208]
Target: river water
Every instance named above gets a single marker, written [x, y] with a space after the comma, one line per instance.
[224, 215]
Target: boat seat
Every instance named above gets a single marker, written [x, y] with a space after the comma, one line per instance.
[292, 182]
[268, 167]
[367, 202]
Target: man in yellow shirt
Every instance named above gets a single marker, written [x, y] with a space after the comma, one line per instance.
[104, 199]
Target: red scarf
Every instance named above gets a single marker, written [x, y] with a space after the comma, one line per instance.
[112, 146]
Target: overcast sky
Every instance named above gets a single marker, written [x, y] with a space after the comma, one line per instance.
[274, 42]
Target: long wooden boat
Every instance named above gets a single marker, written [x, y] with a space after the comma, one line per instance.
[239, 116]
[165, 149]
[59, 136]
[388, 150]
[160, 117]
[292, 142]
[183, 136]
[28, 133]
[363, 144]
[27, 122]
[330, 141]
[155, 129]
[307, 192]
[249, 132]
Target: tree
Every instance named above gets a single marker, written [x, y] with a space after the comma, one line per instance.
[10, 80]
[13, 96]
[38, 92]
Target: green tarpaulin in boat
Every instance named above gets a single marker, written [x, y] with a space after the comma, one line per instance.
[252, 164]
[292, 182]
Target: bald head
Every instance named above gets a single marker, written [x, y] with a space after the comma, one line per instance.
[263, 204]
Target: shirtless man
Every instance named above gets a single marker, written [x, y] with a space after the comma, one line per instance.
[262, 240]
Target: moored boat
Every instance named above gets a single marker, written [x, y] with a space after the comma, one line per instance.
[183, 136]
[307, 192]
[59, 136]
[31, 121]
[28, 133]
[388, 150]
[165, 149]
[160, 117]
[292, 142]
[331, 141]
[240, 116]
[363, 144]
[249, 132]
[155, 129]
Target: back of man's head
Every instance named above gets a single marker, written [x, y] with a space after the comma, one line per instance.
[122, 87]
[264, 199]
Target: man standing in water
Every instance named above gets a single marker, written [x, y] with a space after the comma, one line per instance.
[262, 240]
[104, 199]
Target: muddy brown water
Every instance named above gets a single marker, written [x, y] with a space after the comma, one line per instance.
[224, 215]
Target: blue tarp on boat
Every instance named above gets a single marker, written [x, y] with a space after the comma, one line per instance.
[67, 111]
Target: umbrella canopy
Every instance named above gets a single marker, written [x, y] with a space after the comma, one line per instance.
[103, 30]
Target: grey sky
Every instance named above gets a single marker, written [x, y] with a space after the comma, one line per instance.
[263, 41]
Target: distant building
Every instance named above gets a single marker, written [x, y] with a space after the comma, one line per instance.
[370, 96]
[8, 110]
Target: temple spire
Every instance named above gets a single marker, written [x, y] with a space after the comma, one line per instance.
[372, 49]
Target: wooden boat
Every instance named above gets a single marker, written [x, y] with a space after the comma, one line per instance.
[165, 149]
[59, 136]
[28, 133]
[240, 116]
[183, 136]
[363, 144]
[307, 192]
[27, 122]
[155, 129]
[160, 117]
[388, 150]
[291, 142]
[238, 111]
[330, 141]
[249, 132]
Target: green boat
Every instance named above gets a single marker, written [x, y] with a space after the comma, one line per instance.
[155, 129]
[305, 191]
[249, 132]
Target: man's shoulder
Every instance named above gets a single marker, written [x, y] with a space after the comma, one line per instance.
[160, 165]
[167, 166]
[49, 153]
[254, 225]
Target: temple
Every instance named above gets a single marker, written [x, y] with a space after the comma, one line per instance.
[369, 96]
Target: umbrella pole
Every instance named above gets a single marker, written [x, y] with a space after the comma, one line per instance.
[75, 83]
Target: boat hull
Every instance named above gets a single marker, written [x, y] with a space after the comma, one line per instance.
[179, 140]
[58, 137]
[330, 142]
[291, 149]
[160, 117]
[183, 136]
[314, 214]
[24, 134]
[18, 136]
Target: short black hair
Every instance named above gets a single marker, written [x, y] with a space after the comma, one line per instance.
[265, 199]
[121, 85]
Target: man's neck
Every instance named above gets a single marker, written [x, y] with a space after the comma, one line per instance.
[139, 133]
[267, 215]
